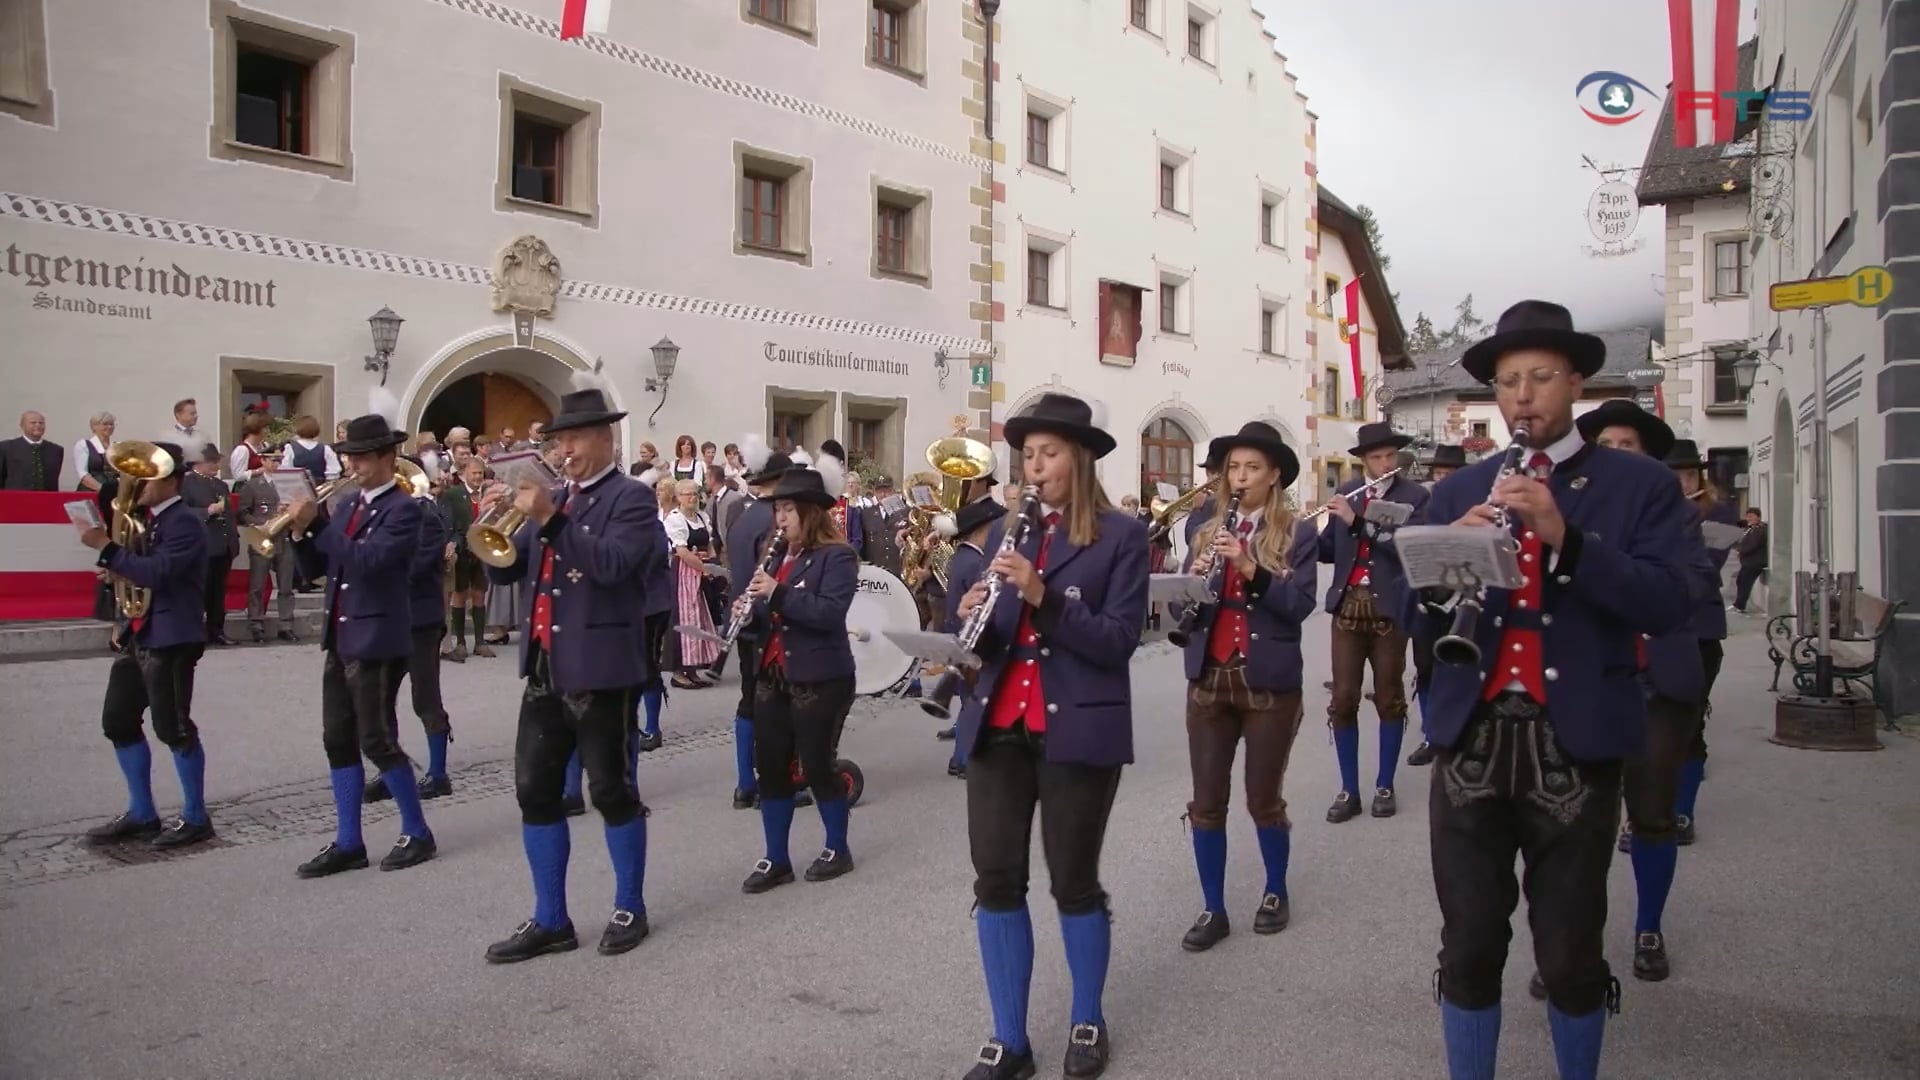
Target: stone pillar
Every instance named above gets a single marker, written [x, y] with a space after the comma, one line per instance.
[1897, 479]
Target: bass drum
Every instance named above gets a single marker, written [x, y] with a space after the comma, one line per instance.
[880, 603]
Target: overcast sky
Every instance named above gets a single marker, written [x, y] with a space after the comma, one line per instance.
[1456, 122]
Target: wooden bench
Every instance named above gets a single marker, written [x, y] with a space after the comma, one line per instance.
[1855, 652]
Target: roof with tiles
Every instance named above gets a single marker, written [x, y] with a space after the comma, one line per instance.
[1626, 350]
[1673, 172]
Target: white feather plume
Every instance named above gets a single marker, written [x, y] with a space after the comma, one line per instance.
[945, 526]
[832, 476]
[801, 458]
[650, 477]
[1099, 410]
[754, 451]
[590, 380]
[381, 402]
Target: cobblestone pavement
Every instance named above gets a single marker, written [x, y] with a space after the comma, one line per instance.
[1792, 923]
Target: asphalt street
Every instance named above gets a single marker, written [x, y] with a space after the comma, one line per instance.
[1794, 924]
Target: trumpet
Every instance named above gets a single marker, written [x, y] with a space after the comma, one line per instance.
[1457, 647]
[1164, 512]
[1216, 580]
[137, 462]
[490, 538]
[939, 702]
[264, 538]
[1363, 491]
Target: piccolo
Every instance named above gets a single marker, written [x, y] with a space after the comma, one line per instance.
[1362, 490]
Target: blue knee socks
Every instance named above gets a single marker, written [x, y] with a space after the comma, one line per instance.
[652, 699]
[406, 798]
[1346, 747]
[1089, 940]
[743, 755]
[627, 846]
[776, 820]
[1392, 734]
[1691, 774]
[136, 764]
[1276, 849]
[437, 756]
[1576, 1042]
[349, 784]
[834, 814]
[1210, 858]
[1473, 1041]
[1421, 696]
[192, 767]
[1006, 955]
[547, 849]
[572, 788]
[1653, 865]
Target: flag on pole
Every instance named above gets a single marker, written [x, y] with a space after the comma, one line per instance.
[1352, 336]
[582, 17]
[1705, 69]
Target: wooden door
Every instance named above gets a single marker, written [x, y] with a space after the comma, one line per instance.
[510, 403]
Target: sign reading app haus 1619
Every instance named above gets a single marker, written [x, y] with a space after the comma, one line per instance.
[83, 286]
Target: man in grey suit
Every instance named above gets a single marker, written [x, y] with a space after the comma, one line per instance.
[203, 490]
[881, 531]
[259, 502]
[30, 462]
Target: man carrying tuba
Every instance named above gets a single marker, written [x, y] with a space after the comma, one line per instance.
[168, 632]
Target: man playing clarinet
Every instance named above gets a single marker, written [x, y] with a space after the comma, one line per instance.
[1529, 740]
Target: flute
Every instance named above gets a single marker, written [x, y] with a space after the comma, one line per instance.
[1362, 490]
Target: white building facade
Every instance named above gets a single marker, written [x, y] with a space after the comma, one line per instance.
[1156, 249]
[1343, 255]
[1841, 191]
[209, 199]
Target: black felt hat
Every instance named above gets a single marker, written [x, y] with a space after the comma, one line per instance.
[776, 466]
[1685, 454]
[1656, 438]
[975, 514]
[1535, 324]
[1376, 435]
[1062, 415]
[805, 485]
[368, 434]
[1262, 436]
[1447, 455]
[581, 409]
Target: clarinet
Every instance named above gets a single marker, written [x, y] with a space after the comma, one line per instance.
[938, 703]
[743, 608]
[1458, 648]
[1216, 580]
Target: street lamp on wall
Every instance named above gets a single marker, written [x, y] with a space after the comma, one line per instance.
[665, 356]
[1744, 371]
[941, 366]
[386, 334]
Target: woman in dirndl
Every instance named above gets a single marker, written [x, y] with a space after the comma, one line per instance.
[691, 533]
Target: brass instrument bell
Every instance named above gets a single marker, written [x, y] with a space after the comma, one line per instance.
[137, 461]
[959, 460]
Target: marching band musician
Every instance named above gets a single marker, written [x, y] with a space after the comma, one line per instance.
[804, 686]
[1528, 749]
[745, 542]
[1709, 620]
[367, 635]
[1051, 726]
[426, 581]
[589, 550]
[1243, 672]
[968, 565]
[154, 669]
[1446, 461]
[1368, 591]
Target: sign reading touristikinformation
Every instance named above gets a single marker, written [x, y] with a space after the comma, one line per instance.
[833, 358]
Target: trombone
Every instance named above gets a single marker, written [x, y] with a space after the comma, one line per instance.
[137, 462]
[1164, 512]
[264, 538]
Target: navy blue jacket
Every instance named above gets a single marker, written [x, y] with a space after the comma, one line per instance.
[1275, 609]
[810, 611]
[968, 565]
[175, 569]
[745, 541]
[1710, 618]
[1675, 669]
[662, 583]
[1089, 627]
[427, 580]
[1340, 545]
[369, 610]
[1623, 572]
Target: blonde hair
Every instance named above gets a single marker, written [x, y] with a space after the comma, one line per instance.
[1086, 499]
[1270, 548]
[1708, 495]
[817, 529]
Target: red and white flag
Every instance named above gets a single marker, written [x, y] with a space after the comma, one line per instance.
[1705, 69]
[582, 17]
[1353, 338]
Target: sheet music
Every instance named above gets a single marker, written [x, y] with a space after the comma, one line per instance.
[84, 513]
[1387, 514]
[1166, 491]
[714, 569]
[523, 467]
[1460, 557]
[941, 648]
[1720, 535]
[1177, 589]
[924, 496]
[291, 484]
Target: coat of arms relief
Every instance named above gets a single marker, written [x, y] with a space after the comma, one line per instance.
[526, 277]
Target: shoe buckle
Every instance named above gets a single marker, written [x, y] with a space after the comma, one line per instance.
[991, 1054]
[1649, 940]
[402, 843]
[1084, 1035]
[1270, 902]
[827, 855]
[1205, 918]
[523, 928]
[622, 918]
[177, 824]
[1383, 793]
[764, 866]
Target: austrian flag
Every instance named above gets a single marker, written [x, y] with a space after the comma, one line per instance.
[1351, 335]
[582, 17]
[1705, 69]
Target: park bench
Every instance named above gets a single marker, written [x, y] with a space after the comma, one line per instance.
[1855, 646]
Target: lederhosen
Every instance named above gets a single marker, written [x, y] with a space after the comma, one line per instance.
[795, 721]
[1364, 636]
[156, 681]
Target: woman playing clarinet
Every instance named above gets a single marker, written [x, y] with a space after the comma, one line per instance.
[1061, 606]
[1243, 669]
[805, 682]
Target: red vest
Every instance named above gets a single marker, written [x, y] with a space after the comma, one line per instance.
[1017, 695]
[775, 654]
[1229, 634]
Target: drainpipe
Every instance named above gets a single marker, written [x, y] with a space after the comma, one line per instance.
[989, 8]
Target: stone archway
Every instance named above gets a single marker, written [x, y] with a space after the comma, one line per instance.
[1786, 464]
[538, 375]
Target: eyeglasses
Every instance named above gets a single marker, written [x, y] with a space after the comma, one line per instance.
[1539, 377]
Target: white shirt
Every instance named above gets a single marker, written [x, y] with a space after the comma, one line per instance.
[80, 455]
[332, 467]
[237, 462]
[189, 434]
[370, 495]
[155, 512]
[699, 475]
[595, 478]
[680, 526]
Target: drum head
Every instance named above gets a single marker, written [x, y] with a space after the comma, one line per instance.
[880, 602]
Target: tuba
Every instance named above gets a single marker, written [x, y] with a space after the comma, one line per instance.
[137, 462]
[959, 461]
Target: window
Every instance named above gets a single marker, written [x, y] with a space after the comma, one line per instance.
[788, 430]
[1196, 39]
[1141, 15]
[774, 193]
[1333, 290]
[1040, 277]
[1046, 271]
[1273, 225]
[1038, 131]
[770, 10]
[901, 235]
[1837, 154]
[549, 158]
[282, 90]
[1726, 389]
[1176, 304]
[1166, 456]
[24, 88]
[890, 237]
[1048, 126]
[896, 32]
[1477, 430]
[1174, 182]
[796, 17]
[1730, 267]
[863, 437]
[1273, 333]
[1330, 391]
[1169, 186]
[886, 27]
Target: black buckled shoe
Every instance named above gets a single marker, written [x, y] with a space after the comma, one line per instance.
[956, 770]
[1210, 929]
[573, 805]
[1346, 807]
[1383, 804]
[651, 742]
[376, 791]
[1650, 957]
[945, 734]
[1624, 845]
[433, 787]
[1683, 831]
[831, 864]
[529, 941]
[333, 859]
[121, 828]
[766, 876]
[624, 933]
[1273, 916]
[409, 851]
[1422, 754]
[745, 800]
[181, 833]
[1087, 1051]
[996, 1062]
[1537, 987]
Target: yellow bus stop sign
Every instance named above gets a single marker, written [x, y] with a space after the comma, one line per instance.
[1869, 286]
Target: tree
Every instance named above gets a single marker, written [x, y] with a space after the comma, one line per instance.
[1372, 226]
[1421, 338]
[1467, 327]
